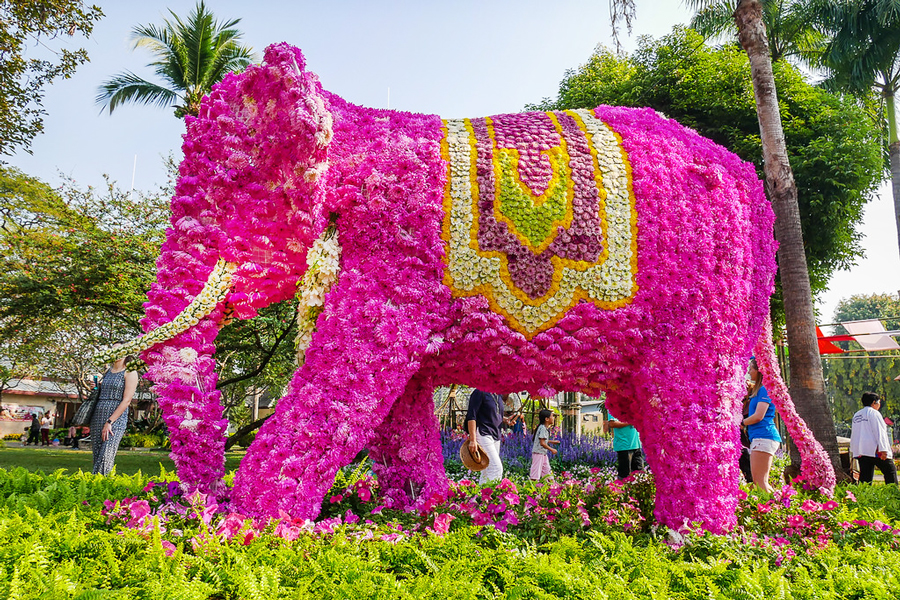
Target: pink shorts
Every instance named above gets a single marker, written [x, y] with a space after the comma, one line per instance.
[540, 466]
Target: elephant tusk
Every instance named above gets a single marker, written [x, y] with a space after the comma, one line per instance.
[214, 291]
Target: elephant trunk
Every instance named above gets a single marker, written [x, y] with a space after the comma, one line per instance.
[180, 357]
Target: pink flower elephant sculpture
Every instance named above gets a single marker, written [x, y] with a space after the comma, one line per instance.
[607, 250]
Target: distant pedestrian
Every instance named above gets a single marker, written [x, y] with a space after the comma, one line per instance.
[73, 437]
[512, 410]
[483, 420]
[35, 432]
[540, 446]
[764, 437]
[46, 422]
[627, 444]
[870, 443]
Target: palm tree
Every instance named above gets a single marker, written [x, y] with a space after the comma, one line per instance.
[806, 379]
[788, 28]
[191, 56]
[863, 54]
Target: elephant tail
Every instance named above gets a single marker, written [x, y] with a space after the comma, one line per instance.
[816, 469]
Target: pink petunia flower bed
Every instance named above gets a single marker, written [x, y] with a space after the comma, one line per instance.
[795, 519]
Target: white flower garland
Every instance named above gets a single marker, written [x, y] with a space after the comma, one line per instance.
[323, 267]
[215, 290]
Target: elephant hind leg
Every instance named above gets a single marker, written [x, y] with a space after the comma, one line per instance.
[690, 439]
[406, 449]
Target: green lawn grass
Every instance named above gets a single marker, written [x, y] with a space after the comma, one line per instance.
[48, 460]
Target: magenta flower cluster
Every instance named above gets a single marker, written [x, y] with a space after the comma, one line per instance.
[780, 526]
[789, 522]
[273, 159]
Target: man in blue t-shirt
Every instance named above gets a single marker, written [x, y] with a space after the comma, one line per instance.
[627, 445]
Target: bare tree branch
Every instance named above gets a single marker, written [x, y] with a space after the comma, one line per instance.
[265, 361]
[621, 11]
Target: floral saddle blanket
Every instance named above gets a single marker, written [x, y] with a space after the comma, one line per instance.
[539, 215]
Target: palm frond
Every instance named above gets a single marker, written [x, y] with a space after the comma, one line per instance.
[864, 46]
[151, 37]
[715, 20]
[788, 28]
[226, 60]
[128, 87]
[190, 56]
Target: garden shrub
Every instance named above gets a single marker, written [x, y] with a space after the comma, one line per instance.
[65, 555]
[58, 541]
[144, 440]
[22, 490]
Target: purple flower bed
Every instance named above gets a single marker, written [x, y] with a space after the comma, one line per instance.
[515, 450]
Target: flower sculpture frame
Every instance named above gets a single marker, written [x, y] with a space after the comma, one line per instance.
[597, 250]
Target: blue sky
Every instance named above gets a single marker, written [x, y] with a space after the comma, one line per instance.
[460, 58]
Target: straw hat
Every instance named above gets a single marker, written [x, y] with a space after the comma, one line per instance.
[479, 462]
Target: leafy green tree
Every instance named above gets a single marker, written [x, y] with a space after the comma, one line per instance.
[17, 360]
[70, 249]
[849, 375]
[75, 267]
[710, 90]
[191, 56]
[63, 348]
[25, 24]
[863, 54]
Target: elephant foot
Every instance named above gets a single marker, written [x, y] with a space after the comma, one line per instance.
[406, 451]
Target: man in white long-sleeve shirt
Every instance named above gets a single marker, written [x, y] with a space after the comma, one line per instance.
[870, 443]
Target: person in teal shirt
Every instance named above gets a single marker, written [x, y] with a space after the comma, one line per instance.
[627, 444]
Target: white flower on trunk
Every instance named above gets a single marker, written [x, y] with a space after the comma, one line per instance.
[188, 355]
[189, 421]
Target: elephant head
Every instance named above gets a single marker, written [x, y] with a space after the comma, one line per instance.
[247, 207]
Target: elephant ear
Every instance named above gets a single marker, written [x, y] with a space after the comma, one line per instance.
[254, 157]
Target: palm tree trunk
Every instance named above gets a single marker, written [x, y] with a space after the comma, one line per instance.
[893, 153]
[807, 385]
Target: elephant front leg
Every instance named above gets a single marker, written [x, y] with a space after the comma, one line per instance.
[406, 449]
[361, 358]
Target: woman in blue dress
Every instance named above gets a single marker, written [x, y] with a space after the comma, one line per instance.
[761, 430]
